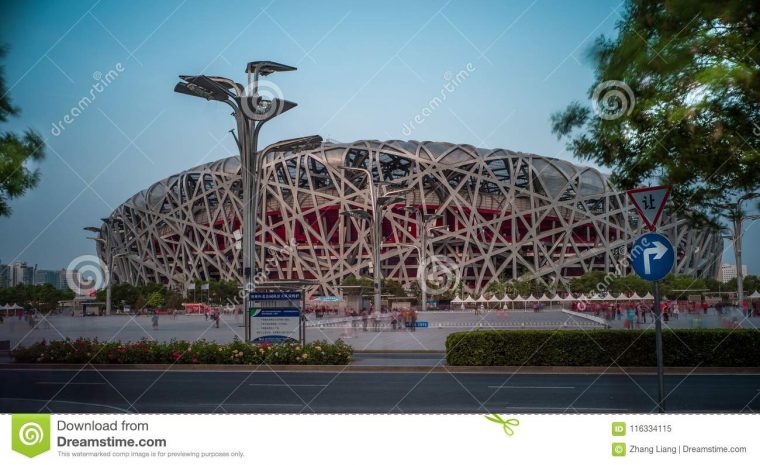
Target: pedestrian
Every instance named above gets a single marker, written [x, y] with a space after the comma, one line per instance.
[217, 316]
[413, 315]
[365, 319]
[154, 319]
[205, 313]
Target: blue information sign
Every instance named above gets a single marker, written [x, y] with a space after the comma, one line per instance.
[652, 256]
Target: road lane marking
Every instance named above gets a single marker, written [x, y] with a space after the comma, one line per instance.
[70, 384]
[531, 387]
[286, 385]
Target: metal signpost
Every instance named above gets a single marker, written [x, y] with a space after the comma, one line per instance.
[652, 258]
[275, 316]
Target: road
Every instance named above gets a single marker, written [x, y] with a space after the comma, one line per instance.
[420, 391]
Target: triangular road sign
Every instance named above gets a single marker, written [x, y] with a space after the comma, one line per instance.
[649, 202]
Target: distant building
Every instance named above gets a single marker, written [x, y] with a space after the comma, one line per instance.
[55, 278]
[20, 273]
[3, 275]
[727, 272]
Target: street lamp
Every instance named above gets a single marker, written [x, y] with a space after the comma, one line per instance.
[250, 111]
[377, 202]
[423, 219]
[737, 217]
[110, 256]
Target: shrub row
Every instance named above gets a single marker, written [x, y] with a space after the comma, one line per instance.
[635, 348]
[146, 351]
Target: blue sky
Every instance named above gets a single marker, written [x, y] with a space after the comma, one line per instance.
[365, 69]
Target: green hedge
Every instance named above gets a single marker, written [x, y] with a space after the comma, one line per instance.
[145, 351]
[634, 348]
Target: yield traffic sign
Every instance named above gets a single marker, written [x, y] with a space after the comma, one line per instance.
[649, 202]
[652, 256]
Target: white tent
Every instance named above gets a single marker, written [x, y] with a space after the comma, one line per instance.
[754, 295]
[557, 298]
[469, 300]
[494, 299]
[482, 299]
[582, 297]
[506, 299]
[456, 300]
[531, 299]
[596, 298]
[519, 298]
[543, 298]
[649, 296]
[622, 296]
[634, 296]
[568, 298]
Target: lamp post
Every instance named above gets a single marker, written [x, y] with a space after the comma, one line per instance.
[737, 217]
[422, 221]
[377, 203]
[110, 256]
[250, 111]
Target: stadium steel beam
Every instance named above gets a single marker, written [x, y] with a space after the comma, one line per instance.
[251, 111]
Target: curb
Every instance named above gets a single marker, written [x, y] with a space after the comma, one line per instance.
[526, 370]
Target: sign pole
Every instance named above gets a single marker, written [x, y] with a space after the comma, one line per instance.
[658, 348]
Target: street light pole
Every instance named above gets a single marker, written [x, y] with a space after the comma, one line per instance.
[250, 111]
[736, 214]
[422, 220]
[377, 202]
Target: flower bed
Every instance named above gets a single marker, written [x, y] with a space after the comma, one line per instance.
[146, 351]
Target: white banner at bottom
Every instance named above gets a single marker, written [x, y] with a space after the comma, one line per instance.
[378, 439]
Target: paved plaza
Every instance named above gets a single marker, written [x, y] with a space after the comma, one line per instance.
[383, 337]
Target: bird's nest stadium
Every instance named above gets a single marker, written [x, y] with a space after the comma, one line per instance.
[504, 215]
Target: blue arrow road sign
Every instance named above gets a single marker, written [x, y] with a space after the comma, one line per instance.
[652, 256]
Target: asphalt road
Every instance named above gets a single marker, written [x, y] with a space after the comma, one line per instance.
[60, 391]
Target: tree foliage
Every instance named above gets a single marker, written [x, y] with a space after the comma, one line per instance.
[693, 119]
[16, 151]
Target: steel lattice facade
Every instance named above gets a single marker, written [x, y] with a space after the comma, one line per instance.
[507, 215]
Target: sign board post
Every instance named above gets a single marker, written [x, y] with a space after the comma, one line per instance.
[652, 257]
[275, 316]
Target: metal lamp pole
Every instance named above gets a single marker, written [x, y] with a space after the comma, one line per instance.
[736, 214]
[423, 219]
[250, 111]
[377, 202]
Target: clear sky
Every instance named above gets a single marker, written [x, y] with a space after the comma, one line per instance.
[365, 70]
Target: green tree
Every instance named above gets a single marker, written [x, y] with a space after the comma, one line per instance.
[16, 151]
[155, 300]
[693, 110]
